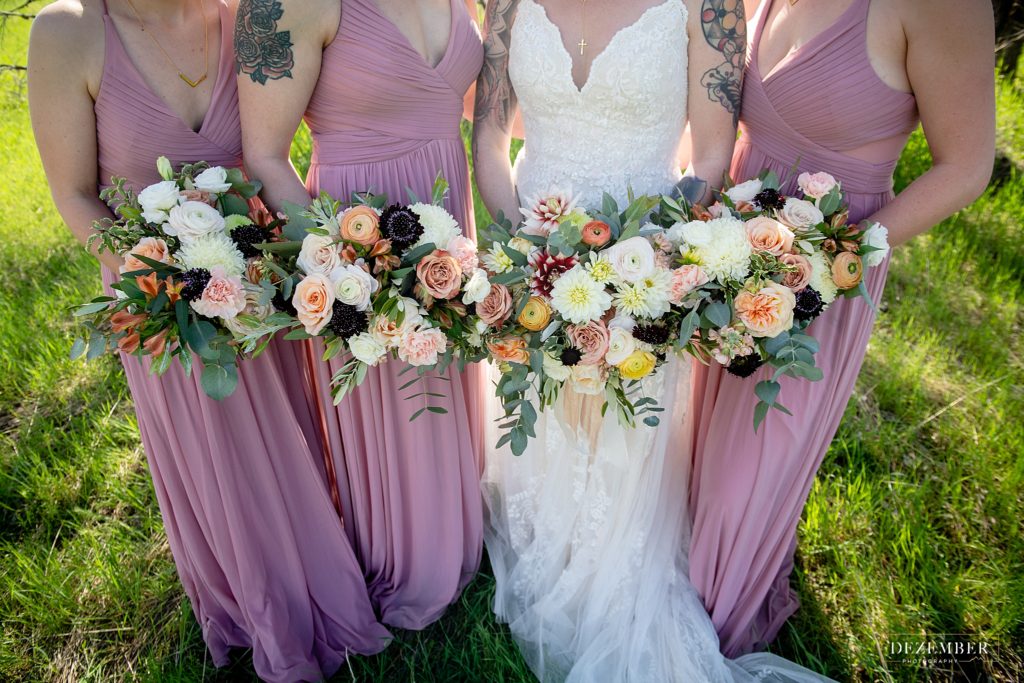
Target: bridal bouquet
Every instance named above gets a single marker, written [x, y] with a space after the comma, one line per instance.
[768, 266]
[382, 280]
[196, 281]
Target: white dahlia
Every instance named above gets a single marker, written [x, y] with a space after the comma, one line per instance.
[821, 278]
[212, 251]
[497, 261]
[648, 298]
[578, 298]
[721, 246]
[439, 227]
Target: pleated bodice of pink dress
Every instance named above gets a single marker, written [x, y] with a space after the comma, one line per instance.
[257, 543]
[823, 108]
[384, 120]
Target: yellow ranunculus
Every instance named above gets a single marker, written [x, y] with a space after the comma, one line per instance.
[535, 315]
[638, 365]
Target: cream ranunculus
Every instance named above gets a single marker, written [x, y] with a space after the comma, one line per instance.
[744, 192]
[477, 287]
[319, 255]
[213, 179]
[555, 369]
[157, 200]
[366, 348]
[353, 286]
[621, 343]
[800, 214]
[633, 259]
[192, 220]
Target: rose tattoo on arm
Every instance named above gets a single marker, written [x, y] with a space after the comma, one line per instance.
[261, 50]
[494, 95]
[725, 28]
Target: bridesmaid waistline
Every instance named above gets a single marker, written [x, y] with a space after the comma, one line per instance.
[361, 147]
[857, 176]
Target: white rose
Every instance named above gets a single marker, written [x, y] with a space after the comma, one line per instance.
[353, 286]
[744, 192]
[632, 260]
[477, 288]
[213, 180]
[621, 343]
[156, 200]
[555, 369]
[587, 379]
[319, 255]
[365, 347]
[192, 220]
[800, 214]
[876, 236]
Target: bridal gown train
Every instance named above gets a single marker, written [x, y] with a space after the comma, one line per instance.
[589, 544]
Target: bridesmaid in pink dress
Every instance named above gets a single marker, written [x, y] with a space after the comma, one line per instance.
[255, 538]
[381, 84]
[843, 99]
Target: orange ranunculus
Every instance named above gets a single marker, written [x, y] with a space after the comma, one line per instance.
[536, 315]
[360, 225]
[847, 270]
[596, 233]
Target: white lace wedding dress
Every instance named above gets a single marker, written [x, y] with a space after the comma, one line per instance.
[588, 538]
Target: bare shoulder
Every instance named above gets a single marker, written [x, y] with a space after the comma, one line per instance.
[970, 20]
[63, 23]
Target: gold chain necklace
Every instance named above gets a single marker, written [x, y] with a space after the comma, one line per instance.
[583, 30]
[206, 48]
[793, 2]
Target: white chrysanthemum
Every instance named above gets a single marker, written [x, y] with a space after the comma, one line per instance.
[497, 261]
[648, 298]
[721, 246]
[212, 251]
[438, 225]
[578, 298]
[821, 278]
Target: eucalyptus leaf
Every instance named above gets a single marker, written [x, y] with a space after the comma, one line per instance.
[219, 381]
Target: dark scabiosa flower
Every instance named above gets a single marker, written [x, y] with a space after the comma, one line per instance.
[284, 305]
[193, 283]
[744, 366]
[246, 237]
[570, 356]
[401, 226]
[808, 305]
[347, 321]
[652, 334]
[769, 199]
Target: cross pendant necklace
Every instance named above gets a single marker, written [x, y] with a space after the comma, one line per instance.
[583, 29]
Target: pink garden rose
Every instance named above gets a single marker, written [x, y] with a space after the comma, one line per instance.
[769, 235]
[496, 306]
[440, 274]
[816, 185]
[224, 296]
[800, 214]
[464, 251]
[421, 346]
[797, 280]
[591, 339]
[314, 301]
[685, 279]
[152, 248]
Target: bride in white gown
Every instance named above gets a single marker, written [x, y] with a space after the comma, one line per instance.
[587, 532]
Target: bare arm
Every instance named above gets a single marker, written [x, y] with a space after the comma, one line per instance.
[278, 49]
[718, 43]
[495, 113]
[951, 68]
[61, 104]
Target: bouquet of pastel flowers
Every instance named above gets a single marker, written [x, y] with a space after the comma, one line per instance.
[196, 281]
[383, 280]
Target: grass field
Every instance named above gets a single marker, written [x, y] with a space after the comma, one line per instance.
[914, 525]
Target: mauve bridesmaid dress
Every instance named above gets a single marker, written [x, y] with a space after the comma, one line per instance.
[257, 543]
[384, 120]
[823, 103]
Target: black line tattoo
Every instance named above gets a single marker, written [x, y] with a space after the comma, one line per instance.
[725, 29]
[261, 50]
[494, 94]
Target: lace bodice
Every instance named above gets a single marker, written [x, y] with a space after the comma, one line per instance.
[623, 128]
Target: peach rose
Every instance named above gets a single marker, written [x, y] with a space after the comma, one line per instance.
[152, 248]
[769, 235]
[314, 301]
[496, 306]
[510, 350]
[816, 185]
[685, 279]
[440, 274]
[767, 312]
[797, 280]
[847, 270]
[421, 346]
[591, 339]
[596, 233]
[360, 224]
[464, 251]
[390, 333]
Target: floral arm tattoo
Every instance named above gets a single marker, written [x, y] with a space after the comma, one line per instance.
[494, 95]
[725, 29]
[261, 50]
